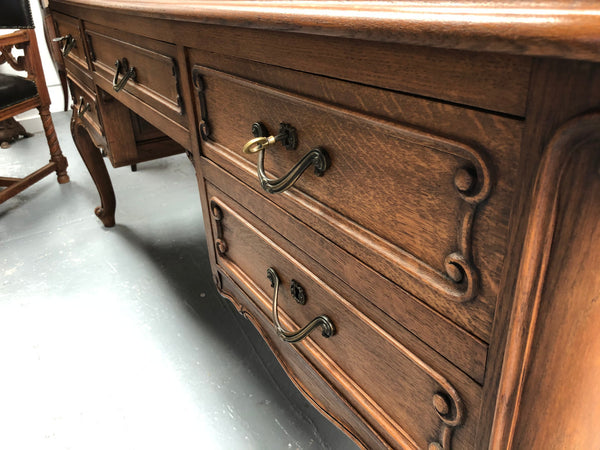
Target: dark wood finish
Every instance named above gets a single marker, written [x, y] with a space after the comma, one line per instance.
[560, 90]
[399, 161]
[563, 337]
[453, 238]
[10, 131]
[32, 64]
[407, 310]
[92, 157]
[358, 359]
[557, 28]
[157, 81]
[68, 26]
[580, 135]
[85, 106]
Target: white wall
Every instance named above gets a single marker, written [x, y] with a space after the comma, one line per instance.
[30, 119]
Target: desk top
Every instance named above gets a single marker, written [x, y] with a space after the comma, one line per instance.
[554, 28]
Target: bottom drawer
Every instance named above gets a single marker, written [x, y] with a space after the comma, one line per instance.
[407, 394]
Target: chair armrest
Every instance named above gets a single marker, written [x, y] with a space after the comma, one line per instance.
[14, 38]
[20, 39]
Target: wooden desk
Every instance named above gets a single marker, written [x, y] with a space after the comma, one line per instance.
[445, 238]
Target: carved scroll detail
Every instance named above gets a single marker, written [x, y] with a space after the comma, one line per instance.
[199, 86]
[451, 413]
[217, 213]
[473, 184]
[6, 55]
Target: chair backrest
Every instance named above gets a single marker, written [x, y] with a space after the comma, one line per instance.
[15, 14]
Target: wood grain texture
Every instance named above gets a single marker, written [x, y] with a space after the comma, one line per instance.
[566, 343]
[66, 25]
[92, 158]
[247, 254]
[157, 80]
[559, 92]
[579, 135]
[453, 232]
[461, 77]
[556, 28]
[408, 237]
[312, 384]
[458, 346]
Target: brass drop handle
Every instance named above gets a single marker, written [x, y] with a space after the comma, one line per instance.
[287, 136]
[81, 108]
[123, 66]
[69, 43]
[327, 328]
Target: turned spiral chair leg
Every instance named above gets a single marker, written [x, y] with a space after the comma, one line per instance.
[56, 155]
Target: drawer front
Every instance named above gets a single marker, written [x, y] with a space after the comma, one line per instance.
[86, 108]
[407, 202]
[71, 44]
[458, 346]
[146, 69]
[411, 403]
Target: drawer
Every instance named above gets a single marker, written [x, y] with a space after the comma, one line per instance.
[85, 105]
[409, 395]
[142, 74]
[129, 138]
[428, 211]
[458, 346]
[71, 43]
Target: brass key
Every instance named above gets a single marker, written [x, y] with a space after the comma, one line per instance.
[287, 136]
[260, 143]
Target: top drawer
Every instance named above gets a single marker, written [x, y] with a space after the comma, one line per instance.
[71, 43]
[428, 210]
[144, 68]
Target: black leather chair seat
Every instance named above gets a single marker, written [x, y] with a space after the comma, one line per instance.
[15, 89]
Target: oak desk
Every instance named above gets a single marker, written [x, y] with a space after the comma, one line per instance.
[404, 199]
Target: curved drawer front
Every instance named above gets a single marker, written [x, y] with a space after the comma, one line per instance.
[402, 200]
[404, 398]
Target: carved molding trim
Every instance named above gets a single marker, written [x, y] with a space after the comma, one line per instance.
[217, 214]
[179, 100]
[6, 55]
[577, 135]
[198, 82]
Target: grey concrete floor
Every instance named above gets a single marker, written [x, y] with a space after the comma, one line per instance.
[116, 338]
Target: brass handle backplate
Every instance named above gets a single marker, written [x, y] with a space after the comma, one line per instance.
[288, 138]
[69, 43]
[122, 66]
[327, 328]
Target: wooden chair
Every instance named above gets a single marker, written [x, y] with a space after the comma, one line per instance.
[52, 41]
[19, 94]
